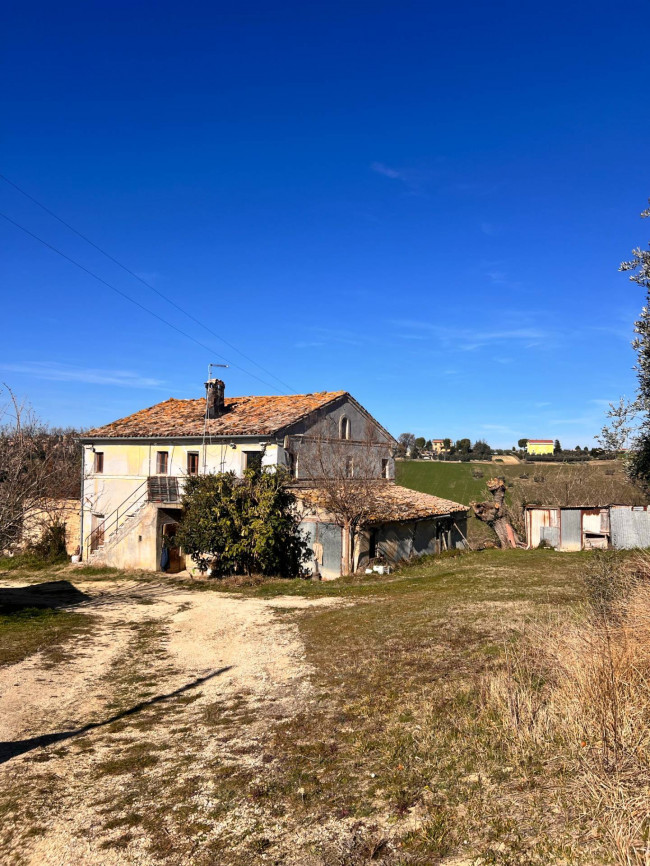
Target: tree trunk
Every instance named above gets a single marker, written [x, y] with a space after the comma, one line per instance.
[345, 557]
[495, 515]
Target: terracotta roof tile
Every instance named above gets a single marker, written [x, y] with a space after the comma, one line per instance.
[391, 502]
[243, 416]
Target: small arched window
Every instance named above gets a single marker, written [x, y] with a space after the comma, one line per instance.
[344, 428]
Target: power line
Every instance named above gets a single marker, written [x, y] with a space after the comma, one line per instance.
[133, 301]
[145, 283]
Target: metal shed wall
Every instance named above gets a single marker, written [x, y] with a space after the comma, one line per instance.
[543, 524]
[571, 529]
[329, 535]
[630, 528]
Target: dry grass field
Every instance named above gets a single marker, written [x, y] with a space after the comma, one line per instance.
[471, 709]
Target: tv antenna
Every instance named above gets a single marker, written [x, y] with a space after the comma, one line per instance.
[210, 366]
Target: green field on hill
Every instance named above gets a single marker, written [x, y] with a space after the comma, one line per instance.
[456, 481]
[453, 481]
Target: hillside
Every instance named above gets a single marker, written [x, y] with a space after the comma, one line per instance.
[605, 482]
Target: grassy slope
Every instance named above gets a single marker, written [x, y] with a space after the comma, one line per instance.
[455, 481]
[396, 741]
[450, 480]
[400, 728]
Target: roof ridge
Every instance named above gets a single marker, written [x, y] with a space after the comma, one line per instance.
[246, 415]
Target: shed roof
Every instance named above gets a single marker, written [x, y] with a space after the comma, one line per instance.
[540, 441]
[243, 416]
[389, 501]
[534, 506]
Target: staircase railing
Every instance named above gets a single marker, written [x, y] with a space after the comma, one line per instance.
[156, 488]
[100, 532]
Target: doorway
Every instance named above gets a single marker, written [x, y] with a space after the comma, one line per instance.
[97, 531]
[176, 563]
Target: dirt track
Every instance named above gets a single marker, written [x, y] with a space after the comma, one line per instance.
[119, 727]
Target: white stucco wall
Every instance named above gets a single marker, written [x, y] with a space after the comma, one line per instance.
[128, 465]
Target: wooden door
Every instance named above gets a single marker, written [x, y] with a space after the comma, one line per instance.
[175, 558]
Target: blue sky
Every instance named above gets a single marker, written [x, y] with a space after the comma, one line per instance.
[422, 203]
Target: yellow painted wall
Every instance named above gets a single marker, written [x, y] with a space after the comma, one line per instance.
[533, 448]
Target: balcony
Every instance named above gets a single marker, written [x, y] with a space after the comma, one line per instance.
[164, 488]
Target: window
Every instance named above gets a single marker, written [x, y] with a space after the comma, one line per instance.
[193, 463]
[162, 462]
[99, 462]
[349, 467]
[344, 428]
[253, 460]
[385, 467]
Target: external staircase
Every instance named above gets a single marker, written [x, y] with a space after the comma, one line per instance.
[128, 514]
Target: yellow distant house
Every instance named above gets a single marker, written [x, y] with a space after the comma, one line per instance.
[540, 446]
[437, 445]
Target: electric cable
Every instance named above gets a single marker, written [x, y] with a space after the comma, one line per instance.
[133, 301]
[145, 283]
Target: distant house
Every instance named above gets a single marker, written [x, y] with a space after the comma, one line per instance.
[539, 446]
[437, 445]
[580, 527]
[135, 469]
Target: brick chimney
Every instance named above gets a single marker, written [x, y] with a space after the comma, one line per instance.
[214, 395]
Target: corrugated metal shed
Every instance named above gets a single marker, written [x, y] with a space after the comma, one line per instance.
[587, 527]
[630, 526]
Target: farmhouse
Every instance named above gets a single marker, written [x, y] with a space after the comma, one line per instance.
[134, 472]
[539, 446]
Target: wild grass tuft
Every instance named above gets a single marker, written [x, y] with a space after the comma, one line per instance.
[578, 695]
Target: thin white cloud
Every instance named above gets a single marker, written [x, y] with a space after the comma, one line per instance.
[558, 421]
[387, 171]
[470, 339]
[416, 179]
[338, 335]
[52, 371]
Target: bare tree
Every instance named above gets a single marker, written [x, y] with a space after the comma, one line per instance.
[406, 444]
[37, 466]
[625, 423]
[345, 478]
